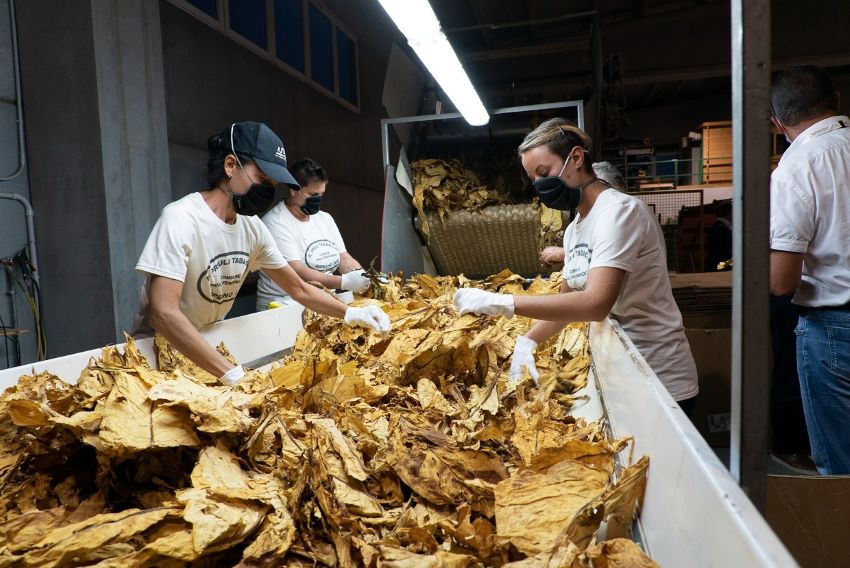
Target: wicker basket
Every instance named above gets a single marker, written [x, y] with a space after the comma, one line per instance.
[481, 243]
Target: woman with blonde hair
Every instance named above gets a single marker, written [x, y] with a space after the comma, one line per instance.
[615, 265]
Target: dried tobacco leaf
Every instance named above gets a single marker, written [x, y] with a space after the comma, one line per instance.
[76, 541]
[623, 501]
[618, 553]
[533, 509]
[357, 449]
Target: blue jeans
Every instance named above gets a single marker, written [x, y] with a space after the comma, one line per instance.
[823, 363]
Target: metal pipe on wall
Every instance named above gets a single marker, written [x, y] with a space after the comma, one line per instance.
[30, 229]
[22, 160]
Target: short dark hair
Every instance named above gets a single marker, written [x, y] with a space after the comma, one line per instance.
[218, 147]
[307, 171]
[802, 93]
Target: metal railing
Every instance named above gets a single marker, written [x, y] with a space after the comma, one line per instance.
[698, 171]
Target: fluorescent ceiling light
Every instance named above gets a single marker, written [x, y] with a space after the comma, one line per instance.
[419, 24]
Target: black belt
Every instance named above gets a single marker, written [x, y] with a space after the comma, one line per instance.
[841, 308]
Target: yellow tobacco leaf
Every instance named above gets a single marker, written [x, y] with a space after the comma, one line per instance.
[217, 468]
[131, 424]
[393, 557]
[329, 438]
[564, 555]
[62, 545]
[214, 409]
[218, 522]
[623, 500]
[169, 359]
[532, 509]
[618, 553]
[26, 530]
[431, 397]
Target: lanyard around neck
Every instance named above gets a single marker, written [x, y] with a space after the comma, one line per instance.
[835, 125]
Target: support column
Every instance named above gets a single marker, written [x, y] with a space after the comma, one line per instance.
[750, 227]
[133, 133]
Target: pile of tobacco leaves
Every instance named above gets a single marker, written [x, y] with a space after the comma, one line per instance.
[357, 449]
[444, 186]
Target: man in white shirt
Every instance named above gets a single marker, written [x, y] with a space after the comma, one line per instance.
[810, 252]
[203, 246]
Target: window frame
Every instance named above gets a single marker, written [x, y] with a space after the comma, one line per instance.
[222, 25]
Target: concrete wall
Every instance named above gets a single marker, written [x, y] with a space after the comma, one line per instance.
[98, 158]
[211, 81]
[63, 142]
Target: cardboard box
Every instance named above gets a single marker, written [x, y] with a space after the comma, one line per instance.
[712, 350]
[809, 514]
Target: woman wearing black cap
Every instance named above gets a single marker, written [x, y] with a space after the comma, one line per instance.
[203, 246]
[616, 264]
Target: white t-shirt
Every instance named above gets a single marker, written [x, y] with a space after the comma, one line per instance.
[191, 244]
[316, 242]
[621, 232]
[810, 210]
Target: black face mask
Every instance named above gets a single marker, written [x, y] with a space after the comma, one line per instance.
[555, 194]
[312, 204]
[256, 201]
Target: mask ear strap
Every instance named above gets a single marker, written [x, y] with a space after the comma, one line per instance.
[233, 149]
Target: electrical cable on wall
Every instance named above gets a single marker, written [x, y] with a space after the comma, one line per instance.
[5, 339]
[20, 274]
[29, 286]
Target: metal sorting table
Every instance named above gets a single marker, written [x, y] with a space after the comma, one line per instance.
[694, 512]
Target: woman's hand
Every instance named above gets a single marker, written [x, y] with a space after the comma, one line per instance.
[355, 281]
[523, 357]
[370, 316]
[552, 255]
[475, 301]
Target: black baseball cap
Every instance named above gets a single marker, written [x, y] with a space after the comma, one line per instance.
[265, 147]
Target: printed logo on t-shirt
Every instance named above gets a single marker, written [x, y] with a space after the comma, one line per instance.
[220, 282]
[575, 269]
[322, 255]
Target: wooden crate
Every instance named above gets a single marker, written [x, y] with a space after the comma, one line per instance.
[717, 152]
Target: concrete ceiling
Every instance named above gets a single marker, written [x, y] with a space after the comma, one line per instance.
[651, 52]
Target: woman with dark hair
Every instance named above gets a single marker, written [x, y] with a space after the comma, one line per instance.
[616, 265]
[309, 239]
[203, 246]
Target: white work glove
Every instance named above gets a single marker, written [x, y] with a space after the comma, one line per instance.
[523, 357]
[355, 281]
[233, 376]
[368, 316]
[473, 300]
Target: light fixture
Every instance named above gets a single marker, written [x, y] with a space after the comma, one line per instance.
[419, 24]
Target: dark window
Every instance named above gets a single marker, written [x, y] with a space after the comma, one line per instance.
[346, 60]
[208, 7]
[248, 19]
[289, 33]
[321, 56]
